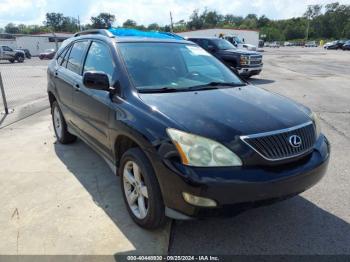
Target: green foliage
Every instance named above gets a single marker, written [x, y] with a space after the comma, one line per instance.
[129, 23]
[102, 21]
[329, 22]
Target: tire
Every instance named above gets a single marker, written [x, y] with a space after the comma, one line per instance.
[20, 59]
[60, 125]
[154, 213]
[12, 60]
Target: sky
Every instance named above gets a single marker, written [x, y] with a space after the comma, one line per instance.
[148, 11]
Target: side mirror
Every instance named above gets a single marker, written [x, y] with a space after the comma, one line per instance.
[96, 80]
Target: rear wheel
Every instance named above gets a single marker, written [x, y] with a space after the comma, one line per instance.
[60, 125]
[141, 190]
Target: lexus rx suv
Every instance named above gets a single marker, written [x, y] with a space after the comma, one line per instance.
[187, 137]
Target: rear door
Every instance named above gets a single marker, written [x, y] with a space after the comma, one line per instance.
[68, 76]
[92, 107]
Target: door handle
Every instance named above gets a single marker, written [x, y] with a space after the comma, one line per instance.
[77, 87]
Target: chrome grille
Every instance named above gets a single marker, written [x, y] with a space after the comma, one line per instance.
[276, 145]
[255, 60]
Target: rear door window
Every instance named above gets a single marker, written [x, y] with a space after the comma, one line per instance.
[62, 55]
[75, 56]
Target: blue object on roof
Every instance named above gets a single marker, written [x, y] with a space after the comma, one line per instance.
[126, 32]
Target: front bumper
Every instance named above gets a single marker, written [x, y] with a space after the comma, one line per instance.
[249, 71]
[238, 187]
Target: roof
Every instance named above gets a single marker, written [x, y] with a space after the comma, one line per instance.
[121, 33]
[132, 35]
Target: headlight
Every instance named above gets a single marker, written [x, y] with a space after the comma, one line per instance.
[244, 60]
[202, 152]
[316, 122]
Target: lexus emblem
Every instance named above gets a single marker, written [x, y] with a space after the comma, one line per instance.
[294, 141]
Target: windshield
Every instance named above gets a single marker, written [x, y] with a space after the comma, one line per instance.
[223, 44]
[238, 40]
[154, 66]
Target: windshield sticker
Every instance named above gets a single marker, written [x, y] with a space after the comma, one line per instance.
[197, 50]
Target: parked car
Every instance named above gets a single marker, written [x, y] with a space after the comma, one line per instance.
[7, 53]
[237, 42]
[311, 44]
[48, 54]
[335, 45]
[26, 52]
[287, 44]
[247, 63]
[346, 45]
[187, 137]
[275, 45]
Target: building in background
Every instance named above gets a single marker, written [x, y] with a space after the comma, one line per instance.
[36, 44]
[246, 35]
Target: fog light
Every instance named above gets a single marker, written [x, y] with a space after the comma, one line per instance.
[198, 201]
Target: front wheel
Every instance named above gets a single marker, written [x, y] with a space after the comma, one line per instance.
[20, 59]
[141, 190]
[60, 125]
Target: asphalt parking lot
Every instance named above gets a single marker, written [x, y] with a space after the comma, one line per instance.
[61, 199]
[317, 221]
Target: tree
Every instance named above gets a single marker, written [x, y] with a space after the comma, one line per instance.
[153, 27]
[102, 21]
[262, 21]
[232, 19]
[11, 28]
[311, 12]
[70, 24]
[195, 21]
[54, 21]
[211, 18]
[129, 23]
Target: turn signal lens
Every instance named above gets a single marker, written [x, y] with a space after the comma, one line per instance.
[198, 201]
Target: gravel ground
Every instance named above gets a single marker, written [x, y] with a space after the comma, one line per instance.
[317, 221]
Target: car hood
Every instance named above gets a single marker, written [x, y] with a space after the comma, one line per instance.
[249, 46]
[224, 113]
[240, 51]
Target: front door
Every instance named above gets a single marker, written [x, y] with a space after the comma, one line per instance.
[92, 107]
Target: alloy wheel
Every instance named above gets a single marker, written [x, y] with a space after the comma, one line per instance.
[135, 190]
[57, 122]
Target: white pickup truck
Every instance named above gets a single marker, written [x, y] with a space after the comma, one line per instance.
[237, 42]
[7, 53]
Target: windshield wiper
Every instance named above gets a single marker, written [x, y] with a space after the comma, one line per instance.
[213, 85]
[159, 90]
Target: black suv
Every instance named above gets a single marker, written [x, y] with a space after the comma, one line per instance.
[187, 137]
[247, 63]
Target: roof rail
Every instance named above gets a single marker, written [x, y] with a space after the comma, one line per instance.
[95, 32]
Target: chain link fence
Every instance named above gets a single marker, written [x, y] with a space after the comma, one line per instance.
[24, 84]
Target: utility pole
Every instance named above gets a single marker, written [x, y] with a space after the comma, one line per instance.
[56, 40]
[171, 23]
[79, 27]
[307, 28]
